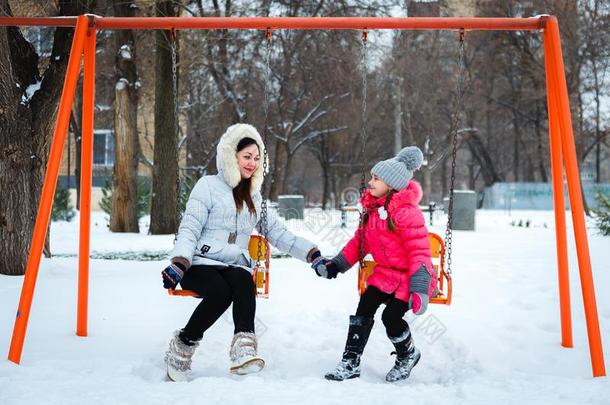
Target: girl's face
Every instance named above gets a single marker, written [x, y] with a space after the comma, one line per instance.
[378, 187]
[247, 160]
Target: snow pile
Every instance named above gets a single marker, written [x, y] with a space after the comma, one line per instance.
[499, 341]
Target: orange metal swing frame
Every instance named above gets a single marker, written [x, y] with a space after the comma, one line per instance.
[562, 146]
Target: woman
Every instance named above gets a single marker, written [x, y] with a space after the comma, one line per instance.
[211, 255]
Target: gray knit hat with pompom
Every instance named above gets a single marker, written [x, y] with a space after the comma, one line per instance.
[398, 171]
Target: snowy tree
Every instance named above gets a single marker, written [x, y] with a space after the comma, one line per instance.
[163, 215]
[124, 213]
[29, 100]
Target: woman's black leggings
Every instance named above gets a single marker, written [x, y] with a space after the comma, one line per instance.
[392, 315]
[219, 286]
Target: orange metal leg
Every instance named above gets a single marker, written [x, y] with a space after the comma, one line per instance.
[558, 201]
[85, 183]
[48, 191]
[575, 193]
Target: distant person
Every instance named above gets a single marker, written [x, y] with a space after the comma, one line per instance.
[393, 231]
[211, 255]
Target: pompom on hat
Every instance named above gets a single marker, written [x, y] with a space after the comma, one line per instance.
[398, 171]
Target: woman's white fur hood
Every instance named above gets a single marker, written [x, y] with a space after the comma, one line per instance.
[226, 161]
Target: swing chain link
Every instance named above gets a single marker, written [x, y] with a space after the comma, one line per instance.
[173, 39]
[267, 80]
[363, 134]
[454, 133]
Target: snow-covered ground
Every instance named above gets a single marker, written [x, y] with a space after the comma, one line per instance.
[499, 340]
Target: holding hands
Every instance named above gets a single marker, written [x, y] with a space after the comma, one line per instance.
[324, 267]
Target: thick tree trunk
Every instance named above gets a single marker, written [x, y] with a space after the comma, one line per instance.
[124, 212]
[165, 171]
[16, 218]
[26, 123]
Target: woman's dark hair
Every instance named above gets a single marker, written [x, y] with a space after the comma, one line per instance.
[245, 142]
[241, 192]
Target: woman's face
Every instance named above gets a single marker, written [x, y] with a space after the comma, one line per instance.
[378, 187]
[247, 160]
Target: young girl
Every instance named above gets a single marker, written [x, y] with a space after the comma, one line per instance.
[393, 230]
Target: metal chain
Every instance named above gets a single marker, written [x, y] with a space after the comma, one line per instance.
[455, 121]
[176, 126]
[363, 134]
[267, 81]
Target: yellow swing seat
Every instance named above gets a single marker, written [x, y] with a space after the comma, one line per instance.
[437, 247]
[260, 273]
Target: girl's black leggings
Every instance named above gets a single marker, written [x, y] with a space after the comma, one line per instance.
[219, 286]
[392, 315]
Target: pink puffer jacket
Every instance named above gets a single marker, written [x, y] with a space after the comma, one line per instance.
[398, 254]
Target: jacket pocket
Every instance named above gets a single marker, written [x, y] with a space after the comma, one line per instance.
[219, 250]
[208, 247]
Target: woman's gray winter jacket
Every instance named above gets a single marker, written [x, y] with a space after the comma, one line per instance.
[211, 216]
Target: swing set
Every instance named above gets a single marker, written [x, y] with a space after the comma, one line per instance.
[562, 146]
[258, 246]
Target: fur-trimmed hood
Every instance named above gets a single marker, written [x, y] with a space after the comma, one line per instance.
[226, 162]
